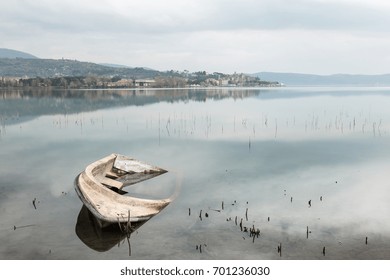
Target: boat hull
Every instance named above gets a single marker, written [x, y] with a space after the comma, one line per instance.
[100, 184]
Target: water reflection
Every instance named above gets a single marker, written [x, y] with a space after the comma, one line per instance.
[102, 239]
[275, 149]
[33, 102]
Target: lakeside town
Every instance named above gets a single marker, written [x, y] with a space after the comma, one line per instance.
[168, 80]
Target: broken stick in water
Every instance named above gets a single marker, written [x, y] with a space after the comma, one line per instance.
[15, 227]
[280, 249]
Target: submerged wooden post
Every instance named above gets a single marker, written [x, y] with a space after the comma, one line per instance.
[128, 242]
[128, 222]
[15, 227]
[280, 249]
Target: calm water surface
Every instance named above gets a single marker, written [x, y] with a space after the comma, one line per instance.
[308, 167]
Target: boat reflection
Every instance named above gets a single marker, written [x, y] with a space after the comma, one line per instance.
[102, 239]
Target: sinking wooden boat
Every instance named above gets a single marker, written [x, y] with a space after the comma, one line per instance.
[100, 186]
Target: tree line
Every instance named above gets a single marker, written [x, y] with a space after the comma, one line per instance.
[166, 81]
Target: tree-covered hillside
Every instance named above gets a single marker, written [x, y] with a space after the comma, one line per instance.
[64, 67]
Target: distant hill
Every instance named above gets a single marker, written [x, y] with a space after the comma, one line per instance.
[295, 79]
[114, 65]
[19, 67]
[7, 53]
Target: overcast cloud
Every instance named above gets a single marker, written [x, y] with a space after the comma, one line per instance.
[305, 36]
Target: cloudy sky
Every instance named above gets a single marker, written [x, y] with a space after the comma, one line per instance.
[304, 36]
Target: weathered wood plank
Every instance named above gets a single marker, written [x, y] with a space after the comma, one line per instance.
[112, 183]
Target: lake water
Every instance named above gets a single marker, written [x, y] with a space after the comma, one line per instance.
[308, 167]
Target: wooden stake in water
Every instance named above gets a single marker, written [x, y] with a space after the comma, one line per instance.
[128, 243]
[15, 227]
[128, 222]
[276, 127]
